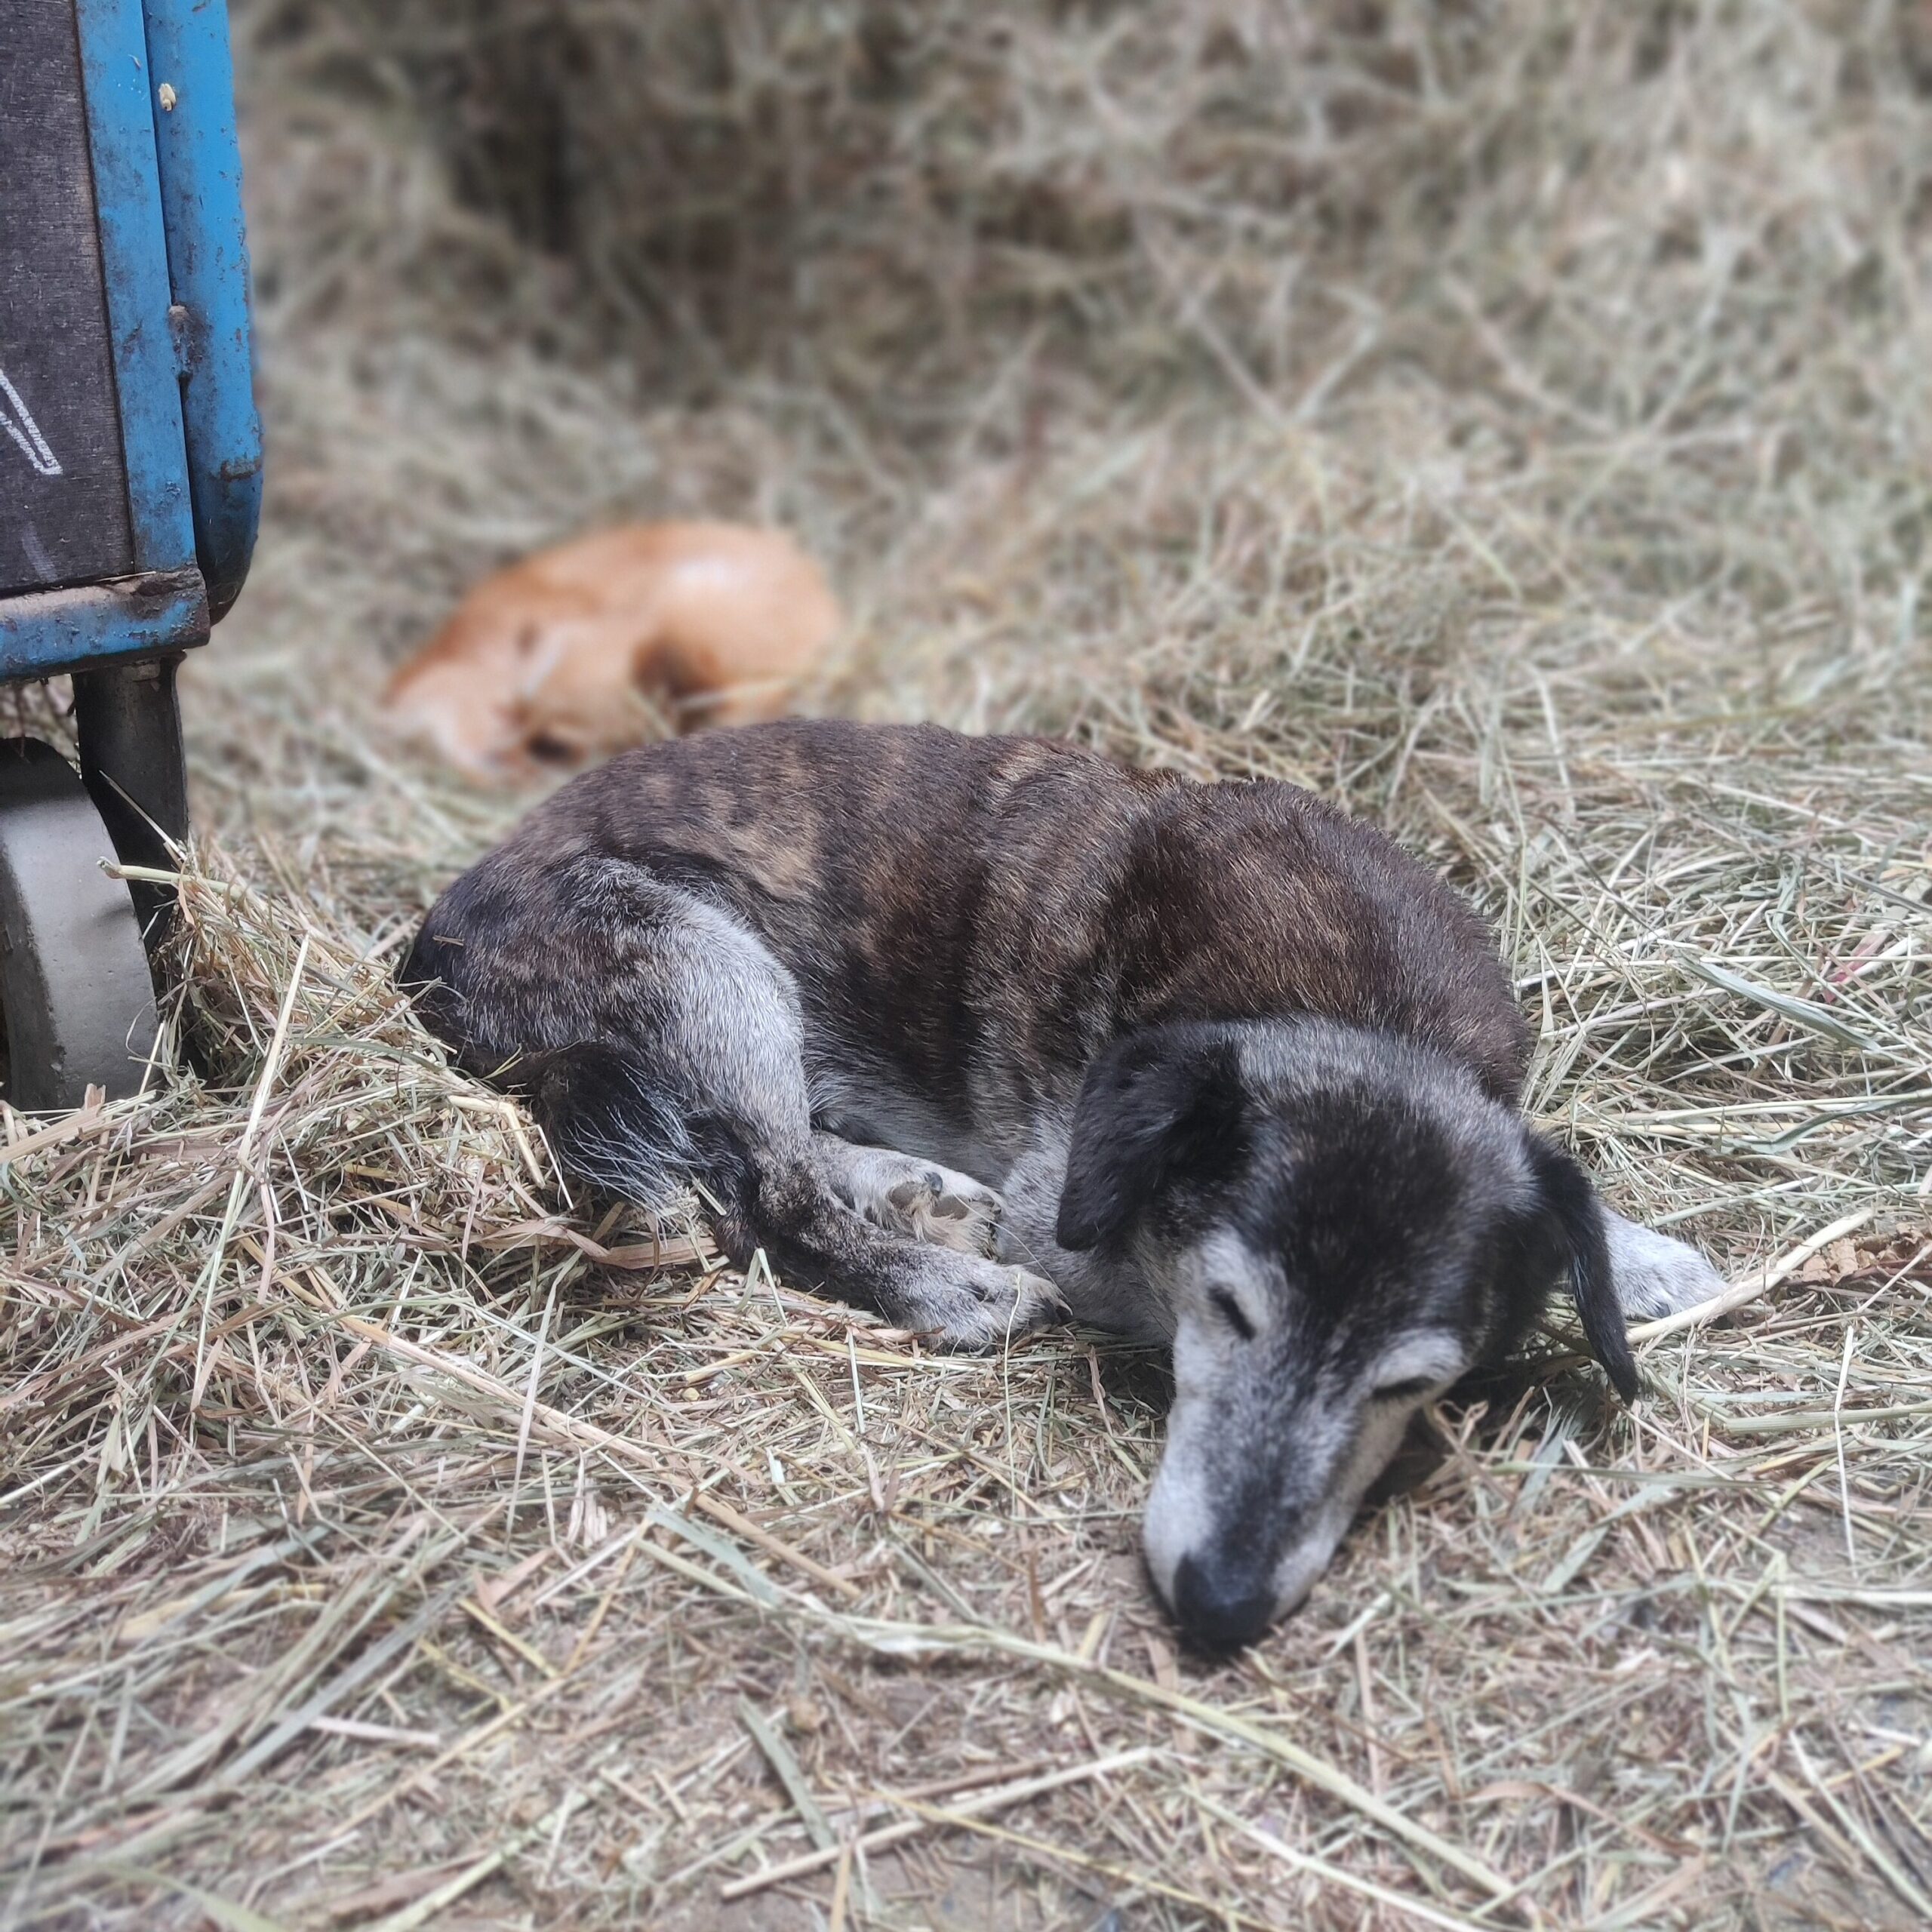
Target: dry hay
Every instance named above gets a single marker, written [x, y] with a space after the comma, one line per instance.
[389, 1542]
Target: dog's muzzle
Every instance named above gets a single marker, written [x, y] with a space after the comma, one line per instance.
[1221, 1603]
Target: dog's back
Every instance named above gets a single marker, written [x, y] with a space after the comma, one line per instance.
[978, 915]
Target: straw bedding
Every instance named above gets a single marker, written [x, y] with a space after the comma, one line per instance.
[1511, 420]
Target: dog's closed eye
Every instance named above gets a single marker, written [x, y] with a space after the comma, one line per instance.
[1232, 1312]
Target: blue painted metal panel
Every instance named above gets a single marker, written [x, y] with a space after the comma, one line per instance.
[47, 631]
[207, 262]
[133, 251]
[173, 261]
[63, 490]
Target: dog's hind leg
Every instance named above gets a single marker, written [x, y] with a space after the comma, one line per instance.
[906, 1195]
[661, 1040]
[782, 1205]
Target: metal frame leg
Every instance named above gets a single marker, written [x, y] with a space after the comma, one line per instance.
[128, 722]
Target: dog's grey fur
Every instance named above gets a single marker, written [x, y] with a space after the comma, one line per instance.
[976, 1032]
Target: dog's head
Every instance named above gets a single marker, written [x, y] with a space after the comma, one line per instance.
[1344, 1225]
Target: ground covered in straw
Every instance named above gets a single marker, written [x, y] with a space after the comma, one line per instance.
[1512, 421]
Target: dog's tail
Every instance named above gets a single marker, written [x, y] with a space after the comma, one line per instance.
[609, 1123]
[608, 1116]
[615, 1127]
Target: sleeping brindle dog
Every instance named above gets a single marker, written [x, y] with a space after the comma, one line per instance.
[984, 1032]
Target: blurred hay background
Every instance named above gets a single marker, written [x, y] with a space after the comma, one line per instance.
[1512, 420]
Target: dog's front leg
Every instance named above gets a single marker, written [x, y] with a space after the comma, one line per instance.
[1104, 1289]
[1654, 1274]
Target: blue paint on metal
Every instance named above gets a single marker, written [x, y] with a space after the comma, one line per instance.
[133, 255]
[47, 631]
[167, 183]
[208, 261]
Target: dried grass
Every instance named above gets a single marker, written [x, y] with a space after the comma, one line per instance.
[1512, 422]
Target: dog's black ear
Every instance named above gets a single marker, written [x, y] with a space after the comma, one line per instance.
[1157, 1107]
[1571, 1208]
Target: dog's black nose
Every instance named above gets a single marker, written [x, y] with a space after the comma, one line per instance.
[1220, 1607]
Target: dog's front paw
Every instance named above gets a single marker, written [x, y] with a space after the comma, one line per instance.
[971, 1303]
[1654, 1274]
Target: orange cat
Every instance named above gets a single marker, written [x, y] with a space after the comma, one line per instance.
[614, 639]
